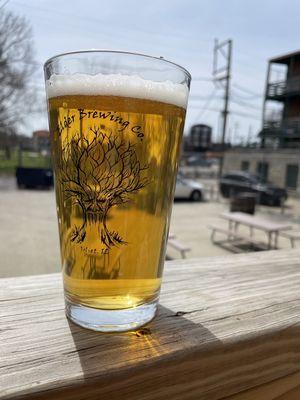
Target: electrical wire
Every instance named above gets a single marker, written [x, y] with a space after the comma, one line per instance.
[196, 97]
[246, 90]
[207, 104]
[241, 114]
[4, 4]
[206, 108]
[202, 79]
[251, 97]
[106, 29]
[244, 104]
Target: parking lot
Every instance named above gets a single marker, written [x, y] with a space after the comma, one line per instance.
[29, 236]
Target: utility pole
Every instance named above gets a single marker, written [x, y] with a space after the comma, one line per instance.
[222, 73]
[249, 137]
[262, 143]
[236, 131]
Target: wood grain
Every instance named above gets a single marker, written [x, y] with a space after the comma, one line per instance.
[287, 388]
[225, 326]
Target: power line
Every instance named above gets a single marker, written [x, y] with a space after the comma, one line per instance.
[204, 108]
[206, 105]
[244, 104]
[246, 90]
[222, 73]
[202, 78]
[4, 4]
[241, 114]
[106, 29]
[249, 97]
[195, 97]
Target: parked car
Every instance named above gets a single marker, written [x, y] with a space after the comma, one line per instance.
[241, 182]
[188, 189]
[200, 161]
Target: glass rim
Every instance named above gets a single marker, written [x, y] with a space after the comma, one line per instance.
[184, 70]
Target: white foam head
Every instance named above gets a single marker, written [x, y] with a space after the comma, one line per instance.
[117, 85]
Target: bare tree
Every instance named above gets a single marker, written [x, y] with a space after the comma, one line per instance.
[98, 174]
[17, 66]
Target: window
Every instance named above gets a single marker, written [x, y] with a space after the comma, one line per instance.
[262, 170]
[245, 165]
[291, 176]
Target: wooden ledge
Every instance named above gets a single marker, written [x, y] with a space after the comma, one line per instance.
[227, 327]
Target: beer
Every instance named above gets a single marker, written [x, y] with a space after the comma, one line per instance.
[115, 160]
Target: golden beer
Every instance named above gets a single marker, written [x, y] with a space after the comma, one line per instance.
[115, 161]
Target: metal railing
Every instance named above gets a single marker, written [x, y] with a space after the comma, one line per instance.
[277, 89]
[288, 128]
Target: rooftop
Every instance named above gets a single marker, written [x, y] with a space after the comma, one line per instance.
[284, 59]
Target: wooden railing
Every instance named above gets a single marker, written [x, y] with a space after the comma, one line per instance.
[227, 328]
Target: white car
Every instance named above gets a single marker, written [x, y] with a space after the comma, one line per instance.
[188, 189]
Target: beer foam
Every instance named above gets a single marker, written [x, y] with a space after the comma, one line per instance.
[117, 85]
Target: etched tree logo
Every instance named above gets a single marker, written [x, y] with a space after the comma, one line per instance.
[98, 174]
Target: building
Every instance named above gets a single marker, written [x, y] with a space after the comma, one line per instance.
[41, 141]
[278, 159]
[281, 110]
[280, 166]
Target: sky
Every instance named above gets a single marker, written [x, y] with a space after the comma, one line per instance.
[182, 31]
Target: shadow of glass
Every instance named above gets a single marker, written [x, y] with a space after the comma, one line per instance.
[170, 331]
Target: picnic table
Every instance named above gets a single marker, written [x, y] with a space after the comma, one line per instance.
[272, 229]
[176, 244]
[227, 328]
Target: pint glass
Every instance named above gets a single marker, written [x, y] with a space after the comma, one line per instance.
[116, 121]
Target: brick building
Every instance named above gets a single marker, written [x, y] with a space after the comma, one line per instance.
[41, 141]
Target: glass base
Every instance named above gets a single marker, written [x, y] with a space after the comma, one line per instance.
[110, 320]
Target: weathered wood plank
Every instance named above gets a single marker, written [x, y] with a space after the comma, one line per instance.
[225, 325]
[287, 388]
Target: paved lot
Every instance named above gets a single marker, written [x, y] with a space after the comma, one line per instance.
[29, 236]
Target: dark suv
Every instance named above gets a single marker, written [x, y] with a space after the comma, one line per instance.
[241, 182]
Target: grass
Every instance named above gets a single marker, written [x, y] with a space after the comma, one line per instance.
[28, 159]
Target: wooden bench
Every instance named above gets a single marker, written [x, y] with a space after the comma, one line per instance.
[179, 246]
[233, 235]
[292, 236]
[227, 328]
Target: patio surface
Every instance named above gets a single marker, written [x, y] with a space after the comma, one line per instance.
[29, 241]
